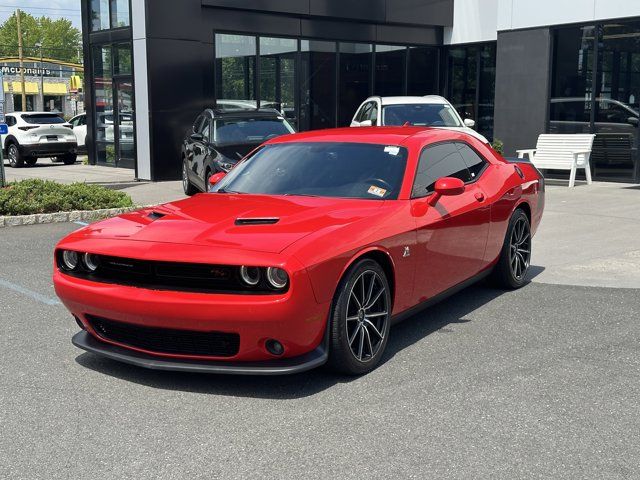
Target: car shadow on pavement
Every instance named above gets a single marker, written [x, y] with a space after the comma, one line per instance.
[415, 328]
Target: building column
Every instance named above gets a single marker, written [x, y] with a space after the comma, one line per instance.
[141, 91]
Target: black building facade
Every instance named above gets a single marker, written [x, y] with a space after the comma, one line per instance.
[153, 65]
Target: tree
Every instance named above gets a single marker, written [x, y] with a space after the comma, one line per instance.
[59, 38]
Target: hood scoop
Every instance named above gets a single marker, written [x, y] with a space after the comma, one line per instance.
[257, 221]
[156, 215]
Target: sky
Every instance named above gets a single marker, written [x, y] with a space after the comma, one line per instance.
[69, 9]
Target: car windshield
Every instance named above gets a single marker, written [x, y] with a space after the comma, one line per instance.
[350, 170]
[420, 114]
[249, 130]
[42, 118]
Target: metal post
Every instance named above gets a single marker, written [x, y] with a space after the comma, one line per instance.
[41, 80]
[21, 60]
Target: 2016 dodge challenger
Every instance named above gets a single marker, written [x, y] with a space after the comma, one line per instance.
[305, 253]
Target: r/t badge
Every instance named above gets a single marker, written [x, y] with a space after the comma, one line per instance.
[406, 252]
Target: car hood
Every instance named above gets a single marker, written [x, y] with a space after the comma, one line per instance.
[236, 221]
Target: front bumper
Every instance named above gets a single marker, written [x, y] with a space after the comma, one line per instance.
[294, 319]
[284, 366]
[48, 149]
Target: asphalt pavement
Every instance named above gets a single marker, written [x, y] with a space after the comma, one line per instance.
[542, 382]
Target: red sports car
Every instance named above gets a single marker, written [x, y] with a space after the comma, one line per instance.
[305, 253]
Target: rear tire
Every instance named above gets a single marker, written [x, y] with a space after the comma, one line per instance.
[16, 160]
[69, 158]
[31, 161]
[515, 257]
[360, 319]
[187, 186]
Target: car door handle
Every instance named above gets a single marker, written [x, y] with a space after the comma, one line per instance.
[479, 196]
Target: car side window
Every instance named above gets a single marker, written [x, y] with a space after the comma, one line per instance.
[365, 112]
[474, 162]
[197, 125]
[9, 120]
[206, 130]
[437, 161]
[373, 115]
[75, 121]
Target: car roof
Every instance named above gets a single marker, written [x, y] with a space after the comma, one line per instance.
[243, 113]
[409, 99]
[372, 135]
[34, 113]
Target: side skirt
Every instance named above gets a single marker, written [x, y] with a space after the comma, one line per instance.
[399, 317]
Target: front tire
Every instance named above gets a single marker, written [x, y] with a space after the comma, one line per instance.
[360, 319]
[187, 186]
[16, 160]
[515, 257]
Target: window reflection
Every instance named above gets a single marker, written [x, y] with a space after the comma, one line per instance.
[390, 70]
[277, 75]
[99, 15]
[235, 70]
[317, 84]
[355, 79]
[423, 71]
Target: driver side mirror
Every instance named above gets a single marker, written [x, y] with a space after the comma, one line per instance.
[215, 178]
[196, 137]
[468, 122]
[446, 186]
[366, 123]
[633, 121]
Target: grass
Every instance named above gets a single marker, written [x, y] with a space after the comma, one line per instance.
[31, 196]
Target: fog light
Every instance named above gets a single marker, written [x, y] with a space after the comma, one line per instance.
[277, 277]
[250, 275]
[274, 347]
[70, 260]
[91, 262]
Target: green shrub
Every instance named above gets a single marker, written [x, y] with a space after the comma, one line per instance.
[44, 196]
[498, 146]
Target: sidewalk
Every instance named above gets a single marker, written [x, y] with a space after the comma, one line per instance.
[45, 169]
[589, 235]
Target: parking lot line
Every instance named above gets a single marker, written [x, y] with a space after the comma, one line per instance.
[29, 293]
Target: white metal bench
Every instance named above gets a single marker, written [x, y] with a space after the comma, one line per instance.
[562, 152]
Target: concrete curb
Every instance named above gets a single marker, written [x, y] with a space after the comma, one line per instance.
[58, 217]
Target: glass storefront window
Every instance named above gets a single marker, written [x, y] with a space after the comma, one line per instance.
[99, 15]
[235, 71]
[486, 90]
[119, 13]
[463, 72]
[471, 84]
[122, 60]
[610, 106]
[391, 62]
[617, 102]
[17, 102]
[423, 71]
[571, 89]
[53, 103]
[355, 79]
[277, 74]
[317, 85]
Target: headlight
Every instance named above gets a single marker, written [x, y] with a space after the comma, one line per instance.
[91, 262]
[70, 260]
[277, 277]
[250, 275]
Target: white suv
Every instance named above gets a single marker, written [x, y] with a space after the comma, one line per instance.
[427, 111]
[34, 135]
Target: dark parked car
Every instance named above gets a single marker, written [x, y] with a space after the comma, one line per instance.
[219, 139]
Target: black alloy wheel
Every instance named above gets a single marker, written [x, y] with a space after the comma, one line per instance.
[361, 318]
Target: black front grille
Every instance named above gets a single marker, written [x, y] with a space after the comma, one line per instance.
[165, 340]
[158, 275]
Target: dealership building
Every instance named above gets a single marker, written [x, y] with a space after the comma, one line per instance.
[517, 67]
